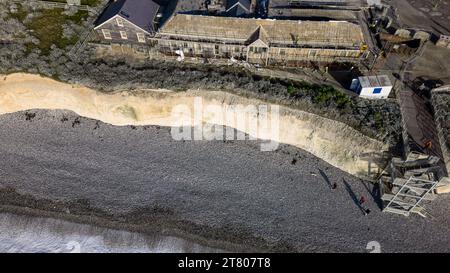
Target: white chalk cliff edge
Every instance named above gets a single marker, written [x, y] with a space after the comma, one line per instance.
[332, 141]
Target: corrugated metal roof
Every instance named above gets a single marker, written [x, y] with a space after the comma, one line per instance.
[364, 81]
[384, 80]
[375, 81]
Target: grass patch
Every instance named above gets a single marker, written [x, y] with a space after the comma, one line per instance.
[341, 99]
[20, 14]
[325, 94]
[378, 121]
[48, 28]
[79, 16]
[319, 94]
[90, 2]
[291, 89]
[83, 2]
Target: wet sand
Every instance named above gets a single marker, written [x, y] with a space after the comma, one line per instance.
[227, 195]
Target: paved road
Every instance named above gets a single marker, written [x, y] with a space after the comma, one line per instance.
[268, 196]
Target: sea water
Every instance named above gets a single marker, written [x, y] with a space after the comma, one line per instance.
[19, 233]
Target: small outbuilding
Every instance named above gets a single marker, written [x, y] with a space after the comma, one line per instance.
[372, 87]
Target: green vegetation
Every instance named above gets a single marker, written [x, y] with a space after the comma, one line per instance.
[89, 2]
[48, 28]
[291, 89]
[378, 121]
[323, 94]
[319, 94]
[127, 111]
[20, 14]
[341, 99]
[79, 16]
[83, 2]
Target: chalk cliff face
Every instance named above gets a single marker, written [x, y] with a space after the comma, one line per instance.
[334, 142]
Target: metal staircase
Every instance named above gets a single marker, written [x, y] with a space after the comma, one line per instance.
[407, 194]
[406, 184]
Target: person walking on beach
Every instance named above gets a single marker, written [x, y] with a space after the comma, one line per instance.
[362, 200]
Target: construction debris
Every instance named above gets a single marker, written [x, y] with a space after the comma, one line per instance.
[444, 41]
[180, 55]
[405, 184]
[443, 187]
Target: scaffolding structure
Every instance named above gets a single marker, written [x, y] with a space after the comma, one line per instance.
[289, 33]
[262, 42]
[338, 4]
[405, 184]
[318, 2]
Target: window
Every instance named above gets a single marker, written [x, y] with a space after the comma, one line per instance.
[377, 90]
[123, 34]
[141, 37]
[119, 21]
[258, 50]
[106, 34]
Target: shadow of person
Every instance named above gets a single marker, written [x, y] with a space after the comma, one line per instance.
[353, 196]
[325, 177]
[375, 193]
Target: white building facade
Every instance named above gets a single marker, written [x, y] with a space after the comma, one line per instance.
[372, 87]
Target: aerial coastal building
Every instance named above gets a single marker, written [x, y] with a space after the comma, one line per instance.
[129, 21]
[256, 41]
[261, 41]
[372, 87]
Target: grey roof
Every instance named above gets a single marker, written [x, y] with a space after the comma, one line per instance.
[139, 12]
[375, 81]
[244, 3]
[237, 11]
